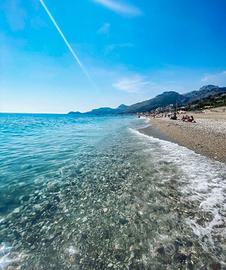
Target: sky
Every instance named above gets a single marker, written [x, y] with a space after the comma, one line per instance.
[124, 51]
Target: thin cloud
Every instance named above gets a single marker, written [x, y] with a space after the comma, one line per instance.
[104, 29]
[120, 7]
[15, 14]
[133, 84]
[215, 78]
[116, 46]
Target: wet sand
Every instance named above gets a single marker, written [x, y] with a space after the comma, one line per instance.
[207, 136]
[156, 133]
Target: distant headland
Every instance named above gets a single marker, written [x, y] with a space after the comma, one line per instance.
[190, 99]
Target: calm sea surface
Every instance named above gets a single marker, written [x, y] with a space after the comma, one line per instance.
[93, 193]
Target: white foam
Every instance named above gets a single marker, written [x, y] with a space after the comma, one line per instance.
[145, 121]
[72, 250]
[203, 181]
[5, 261]
[6, 258]
[2, 220]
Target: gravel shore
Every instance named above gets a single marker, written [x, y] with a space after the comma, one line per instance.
[207, 136]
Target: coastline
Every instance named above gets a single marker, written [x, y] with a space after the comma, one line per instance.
[155, 132]
[206, 137]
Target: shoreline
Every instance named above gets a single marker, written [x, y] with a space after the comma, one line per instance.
[155, 132]
[206, 137]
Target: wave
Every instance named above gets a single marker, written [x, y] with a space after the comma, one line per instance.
[202, 183]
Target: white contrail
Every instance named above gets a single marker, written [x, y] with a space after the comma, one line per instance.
[67, 43]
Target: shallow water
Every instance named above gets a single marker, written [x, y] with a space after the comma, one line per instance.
[94, 193]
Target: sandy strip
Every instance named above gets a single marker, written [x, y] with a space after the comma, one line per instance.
[206, 137]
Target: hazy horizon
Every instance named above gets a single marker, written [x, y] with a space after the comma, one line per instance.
[125, 52]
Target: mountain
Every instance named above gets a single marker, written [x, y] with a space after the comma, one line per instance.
[162, 100]
[75, 113]
[107, 110]
[122, 108]
[204, 92]
[215, 100]
[103, 111]
[174, 98]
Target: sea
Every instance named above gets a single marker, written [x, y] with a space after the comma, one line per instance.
[88, 192]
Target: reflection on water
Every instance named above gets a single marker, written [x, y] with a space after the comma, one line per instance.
[93, 193]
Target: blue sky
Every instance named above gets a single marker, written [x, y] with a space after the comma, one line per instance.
[132, 50]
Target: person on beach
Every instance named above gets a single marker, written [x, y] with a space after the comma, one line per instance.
[188, 118]
[191, 119]
[174, 117]
[183, 118]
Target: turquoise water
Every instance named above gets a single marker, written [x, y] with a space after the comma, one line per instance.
[94, 193]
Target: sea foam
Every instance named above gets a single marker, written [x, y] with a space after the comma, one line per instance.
[203, 182]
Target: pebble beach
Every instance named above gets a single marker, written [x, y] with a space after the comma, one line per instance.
[206, 137]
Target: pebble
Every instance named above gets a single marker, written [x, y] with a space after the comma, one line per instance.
[84, 219]
[16, 210]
